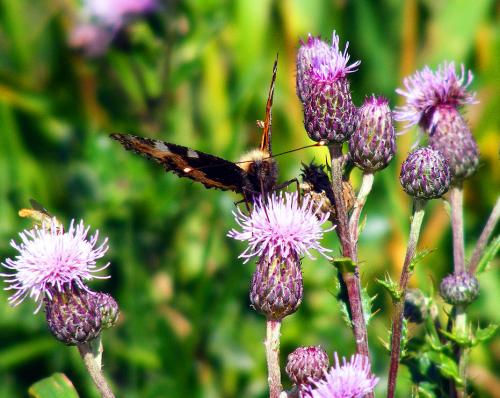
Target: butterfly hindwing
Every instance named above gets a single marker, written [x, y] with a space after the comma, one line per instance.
[210, 170]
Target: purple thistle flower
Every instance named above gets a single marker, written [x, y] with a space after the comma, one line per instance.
[428, 90]
[51, 259]
[352, 379]
[329, 113]
[281, 226]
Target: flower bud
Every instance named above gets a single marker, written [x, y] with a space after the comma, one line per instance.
[373, 143]
[459, 289]
[108, 309]
[73, 315]
[307, 363]
[452, 137]
[416, 307]
[276, 288]
[425, 174]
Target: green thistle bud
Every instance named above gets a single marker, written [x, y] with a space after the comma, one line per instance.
[108, 309]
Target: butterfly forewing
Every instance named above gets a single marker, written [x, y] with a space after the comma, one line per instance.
[210, 170]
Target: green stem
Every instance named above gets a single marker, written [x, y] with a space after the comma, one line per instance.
[397, 319]
[91, 354]
[364, 190]
[272, 345]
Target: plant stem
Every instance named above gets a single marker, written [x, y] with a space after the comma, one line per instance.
[457, 226]
[91, 354]
[364, 190]
[348, 250]
[272, 345]
[397, 320]
[485, 236]
[461, 353]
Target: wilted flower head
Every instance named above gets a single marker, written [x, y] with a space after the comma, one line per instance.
[280, 225]
[51, 260]
[329, 113]
[428, 90]
[352, 379]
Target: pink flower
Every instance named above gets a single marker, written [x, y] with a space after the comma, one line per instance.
[280, 225]
[428, 90]
[351, 380]
[51, 259]
[332, 65]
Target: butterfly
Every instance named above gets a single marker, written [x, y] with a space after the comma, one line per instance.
[255, 173]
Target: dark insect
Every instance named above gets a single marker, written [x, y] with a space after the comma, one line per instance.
[255, 173]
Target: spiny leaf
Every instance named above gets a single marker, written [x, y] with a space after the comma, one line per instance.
[344, 264]
[342, 299]
[56, 386]
[419, 257]
[391, 286]
[367, 302]
[486, 333]
[489, 254]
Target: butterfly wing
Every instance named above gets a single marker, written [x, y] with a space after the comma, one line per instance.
[265, 142]
[210, 170]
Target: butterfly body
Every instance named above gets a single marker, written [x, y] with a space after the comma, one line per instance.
[255, 173]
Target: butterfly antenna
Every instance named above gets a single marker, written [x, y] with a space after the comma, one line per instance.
[265, 142]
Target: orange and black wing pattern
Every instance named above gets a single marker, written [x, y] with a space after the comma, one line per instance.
[210, 170]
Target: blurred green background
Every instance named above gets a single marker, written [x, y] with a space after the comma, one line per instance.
[197, 73]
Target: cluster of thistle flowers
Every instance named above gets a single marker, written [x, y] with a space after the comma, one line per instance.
[52, 267]
[98, 22]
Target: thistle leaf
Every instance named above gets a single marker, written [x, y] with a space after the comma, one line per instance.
[391, 286]
[488, 255]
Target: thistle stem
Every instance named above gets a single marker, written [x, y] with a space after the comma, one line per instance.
[364, 190]
[272, 345]
[348, 250]
[460, 321]
[484, 237]
[457, 226]
[397, 319]
[91, 354]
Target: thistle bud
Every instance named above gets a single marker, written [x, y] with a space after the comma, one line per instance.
[425, 174]
[73, 315]
[373, 144]
[276, 288]
[314, 46]
[329, 113]
[453, 138]
[306, 363]
[108, 309]
[416, 307]
[459, 289]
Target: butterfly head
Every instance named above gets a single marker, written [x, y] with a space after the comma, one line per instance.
[261, 169]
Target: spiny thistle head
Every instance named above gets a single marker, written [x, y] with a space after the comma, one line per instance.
[276, 287]
[416, 307]
[329, 113]
[453, 138]
[51, 260]
[425, 174]
[428, 90]
[373, 143]
[281, 225]
[306, 364]
[73, 315]
[352, 379]
[459, 289]
[108, 308]
[313, 46]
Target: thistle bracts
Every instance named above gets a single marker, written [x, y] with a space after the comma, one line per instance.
[425, 174]
[276, 287]
[306, 364]
[108, 308]
[459, 289]
[329, 113]
[373, 144]
[453, 138]
[73, 315]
